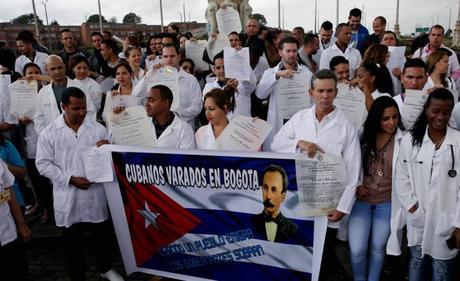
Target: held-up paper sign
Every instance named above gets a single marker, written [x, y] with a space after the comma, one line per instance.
[237, 64]
[23, 98]
[131, 127]
[194, 51]
[321, 182]
[352, 103]
[228, 20]
[169, 77]
[98, 164]
[243, 133]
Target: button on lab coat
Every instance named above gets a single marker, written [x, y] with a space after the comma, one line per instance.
[337, 137]
[437, 194]
[58, 158]
[266, 89]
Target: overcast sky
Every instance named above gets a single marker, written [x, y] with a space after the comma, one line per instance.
[413, 13]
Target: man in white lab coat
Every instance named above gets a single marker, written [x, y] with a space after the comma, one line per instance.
[285, 69]
[49, 97]
[243, 89]
[79, 204]
[325, 128]
[191, 101]
[168, 129]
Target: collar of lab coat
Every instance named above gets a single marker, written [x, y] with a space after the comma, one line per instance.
[209, 132]
[449, 140]
[60, 122]
[175, 125]
[334, 115]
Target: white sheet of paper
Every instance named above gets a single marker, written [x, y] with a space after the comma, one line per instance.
[214, 47]
[169, 77]
[243, 133]
[194, 51]
[352, 103]
[5, 81]
[237, 63]
[131, 127]
[412, 107]
[23, 98]
[396, 57]
[123, 101]
[98, 164]
[107, 84]
[228, 20]
[320, 182]
[291, 96]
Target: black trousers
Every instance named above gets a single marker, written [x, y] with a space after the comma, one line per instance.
[13, 261]
[42, 186]
[74, 243]
[331, 267]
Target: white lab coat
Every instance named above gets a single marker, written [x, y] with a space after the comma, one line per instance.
[398, 215]
[421, 178]
[47, 108]
[454, 65]
[337, 136]
[177, 135]
[260, 68]
[205, 138]
[242, 95]
[191, 101]
[91, 88]
[266, 89]
[351, 54]
[39, 60]
[7, 225]
[59, 158]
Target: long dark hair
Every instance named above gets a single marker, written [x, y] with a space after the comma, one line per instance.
[383, 81]
[372, 125]
[418, 130]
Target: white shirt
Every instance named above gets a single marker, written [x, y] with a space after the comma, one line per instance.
[190, 96]
[454, 66]
[92, 89]
[351, 54]
[7, 225]
[205, 138]
[265, 89]
[39, 60]
[322, 47]
[336, 136]
[59, 158]
[177, 135]
[47, 108]
[450, 86]
[242, 94]
[260, 68]
[421, 177]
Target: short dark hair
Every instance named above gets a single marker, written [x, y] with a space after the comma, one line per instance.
[323, 74]
[97, 33]
[355, 12]
[394, 35]
[171, 45]
[327, 25]
[289, 40]
[437, 26]
[219, 55]
[336, 61]
[27, 34]
[233, 32]
[24, 38]
[340, 26]
[381, 19]
[76, 59]
[272, 168]
[72, 92]
[165, 93]
[299, 28]
[111, 44]
[107, 32]
[416, 62]
[310, 37]
[30, 64]
[187, 60]
[65, 30]
[172, 36]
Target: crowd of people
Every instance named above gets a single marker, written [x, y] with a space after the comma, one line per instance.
[402, 190]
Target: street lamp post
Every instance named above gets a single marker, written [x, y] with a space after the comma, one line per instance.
[397, 32]
[161, 15]
[316, 13]
[47, 24]
[337, 14]
[37, 32]
[279, 13]
[100, 15]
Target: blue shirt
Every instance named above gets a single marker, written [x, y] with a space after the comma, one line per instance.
[10, 155]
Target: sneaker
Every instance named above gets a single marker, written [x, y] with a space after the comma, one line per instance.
[112, 275]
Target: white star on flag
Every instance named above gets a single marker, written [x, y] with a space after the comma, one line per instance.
[150, 217]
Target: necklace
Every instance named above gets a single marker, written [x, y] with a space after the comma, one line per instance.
[377, 164]
[438, 144]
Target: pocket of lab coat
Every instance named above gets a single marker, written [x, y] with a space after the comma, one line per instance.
[444, 225]
[417, 218]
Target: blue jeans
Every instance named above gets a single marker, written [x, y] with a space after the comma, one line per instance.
[443, 270]
[368, 227]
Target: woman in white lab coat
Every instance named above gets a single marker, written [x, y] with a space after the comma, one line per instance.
[217, 103]
[428, 186]
[369, 221]
[437, 66]
[133, 57]
[80, 67]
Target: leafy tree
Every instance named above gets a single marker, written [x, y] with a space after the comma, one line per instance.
[54, 22]
[95, 19]
[26, 19]
[132, 18]
[113, 20]
[260, 19]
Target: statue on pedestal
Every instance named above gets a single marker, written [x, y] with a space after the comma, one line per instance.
[242, 6]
